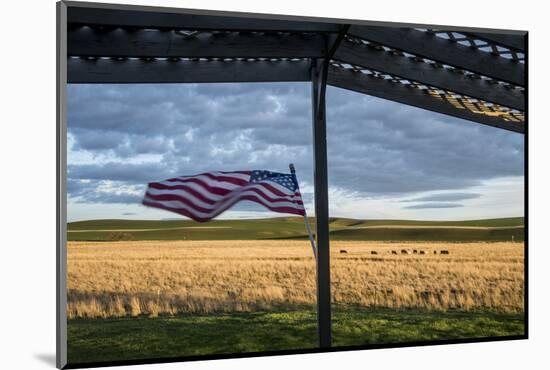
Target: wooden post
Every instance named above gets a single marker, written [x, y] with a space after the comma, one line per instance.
[318, 83]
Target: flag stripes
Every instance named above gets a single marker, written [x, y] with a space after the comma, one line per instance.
[205, 196]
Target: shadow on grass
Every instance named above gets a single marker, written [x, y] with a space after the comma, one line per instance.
[97, 340]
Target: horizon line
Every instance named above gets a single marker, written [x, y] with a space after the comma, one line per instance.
[297, 217]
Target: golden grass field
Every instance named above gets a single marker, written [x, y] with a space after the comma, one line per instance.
[107, 279]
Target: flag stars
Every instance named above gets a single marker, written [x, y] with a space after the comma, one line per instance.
[279, 178]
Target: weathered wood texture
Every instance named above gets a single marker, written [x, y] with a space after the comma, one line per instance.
[407, 68]
[444, 51]
[86, 41]
[515, 42]
[359, 82]
[321, 206]
[141, 19]
[165, 71]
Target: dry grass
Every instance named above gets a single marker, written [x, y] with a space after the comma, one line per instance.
[148, 277]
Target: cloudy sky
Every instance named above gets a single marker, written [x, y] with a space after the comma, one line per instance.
[386, 160]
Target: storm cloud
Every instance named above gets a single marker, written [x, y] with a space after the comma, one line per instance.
[128, 135]
[104, 191]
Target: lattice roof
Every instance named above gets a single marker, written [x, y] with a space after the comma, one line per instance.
[478, 75]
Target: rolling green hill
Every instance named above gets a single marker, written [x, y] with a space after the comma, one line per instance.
[502, 229]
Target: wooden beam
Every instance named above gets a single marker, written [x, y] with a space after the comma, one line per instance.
[85, 41]
[165, 71]
[510, 41]
[318, 78]
[409, 69]
[170, 21]
[338, 39]
[444, 51]
[359, 82]
[331, 50]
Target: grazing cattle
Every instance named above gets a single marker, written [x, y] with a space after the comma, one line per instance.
[373, 252]
[444, 252]
[404, 251]
[422, 252]
[343, 251]
[435, 252]
[393, 252]
[415, 251]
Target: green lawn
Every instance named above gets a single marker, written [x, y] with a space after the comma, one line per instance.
[293, 228]
[96, 340]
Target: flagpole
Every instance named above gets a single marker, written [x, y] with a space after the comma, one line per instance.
[306, 221]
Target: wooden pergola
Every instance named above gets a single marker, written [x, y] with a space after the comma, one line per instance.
[478, 75]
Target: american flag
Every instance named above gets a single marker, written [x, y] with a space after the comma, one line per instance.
[205, 196]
